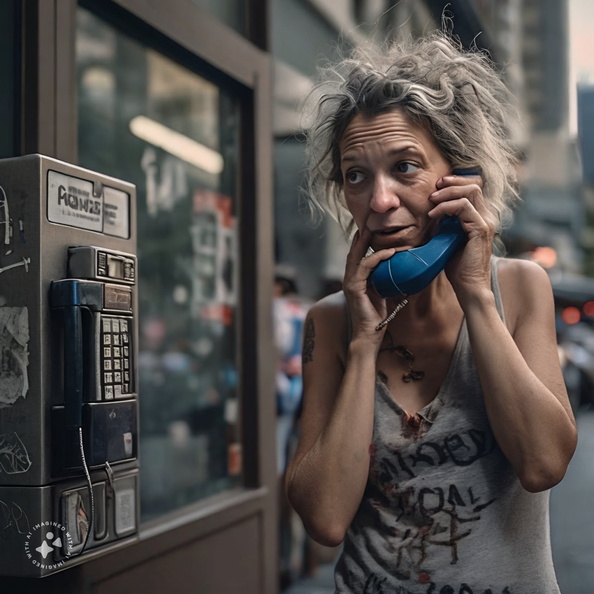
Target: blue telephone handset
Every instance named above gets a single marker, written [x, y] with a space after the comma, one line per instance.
[409, 272]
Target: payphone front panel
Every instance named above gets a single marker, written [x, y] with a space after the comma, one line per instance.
[68, 373]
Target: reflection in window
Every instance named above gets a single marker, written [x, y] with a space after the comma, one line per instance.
[146, 119]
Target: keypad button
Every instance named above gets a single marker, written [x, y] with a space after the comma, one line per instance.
[116, 357]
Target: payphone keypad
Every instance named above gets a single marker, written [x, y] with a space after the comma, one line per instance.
[116, 364]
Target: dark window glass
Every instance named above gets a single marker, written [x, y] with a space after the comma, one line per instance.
[8, 74]
[146, 119]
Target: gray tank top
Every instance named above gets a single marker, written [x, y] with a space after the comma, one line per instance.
[443, 511]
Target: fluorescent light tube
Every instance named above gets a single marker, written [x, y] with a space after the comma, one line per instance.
[177, 144]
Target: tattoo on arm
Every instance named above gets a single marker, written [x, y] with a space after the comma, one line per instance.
[309, 341]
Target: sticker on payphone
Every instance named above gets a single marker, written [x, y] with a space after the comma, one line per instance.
[125, 506]
[77, 511]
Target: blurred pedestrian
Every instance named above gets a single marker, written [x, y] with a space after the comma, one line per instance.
[289, 309]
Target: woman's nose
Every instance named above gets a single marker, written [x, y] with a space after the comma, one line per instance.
[385, 195]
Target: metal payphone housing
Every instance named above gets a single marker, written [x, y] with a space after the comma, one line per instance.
[60, 223]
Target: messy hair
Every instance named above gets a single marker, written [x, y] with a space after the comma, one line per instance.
[455, 94]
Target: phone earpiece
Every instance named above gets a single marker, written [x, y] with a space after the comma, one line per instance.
[409, 272]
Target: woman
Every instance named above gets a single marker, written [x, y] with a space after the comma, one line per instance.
[428, 444]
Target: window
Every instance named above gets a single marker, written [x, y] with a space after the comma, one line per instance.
[146, 119]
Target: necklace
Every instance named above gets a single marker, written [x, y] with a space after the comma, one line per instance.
[408, 357]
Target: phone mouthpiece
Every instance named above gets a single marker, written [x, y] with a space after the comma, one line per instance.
[409, 272]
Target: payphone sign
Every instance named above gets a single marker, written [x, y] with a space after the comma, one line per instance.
[72, 201]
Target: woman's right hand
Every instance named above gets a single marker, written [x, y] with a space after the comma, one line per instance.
[367, 309]
[327, 476]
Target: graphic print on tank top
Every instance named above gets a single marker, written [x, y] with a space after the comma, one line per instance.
[442, 504]
[410, 457]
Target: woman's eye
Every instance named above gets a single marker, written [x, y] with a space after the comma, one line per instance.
[406, 167]
[354, 177]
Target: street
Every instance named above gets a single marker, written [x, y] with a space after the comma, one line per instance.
[572, 515]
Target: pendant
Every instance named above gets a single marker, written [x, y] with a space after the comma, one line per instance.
[412, 376]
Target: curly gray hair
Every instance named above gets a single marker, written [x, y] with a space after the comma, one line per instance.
[457, 95]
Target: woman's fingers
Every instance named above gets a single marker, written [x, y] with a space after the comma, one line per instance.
[462, 197]
[473, 192]
[460, 180]
[360, 256]
[369, 262]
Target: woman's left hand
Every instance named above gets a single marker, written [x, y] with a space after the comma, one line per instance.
[462, 196]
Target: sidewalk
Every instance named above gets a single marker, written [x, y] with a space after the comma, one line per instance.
[572, 515]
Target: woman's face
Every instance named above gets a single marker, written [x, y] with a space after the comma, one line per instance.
[390, 167]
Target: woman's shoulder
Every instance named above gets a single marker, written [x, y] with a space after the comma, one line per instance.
[328, 320]
[524, 286]
[333, 305]
[521, 274]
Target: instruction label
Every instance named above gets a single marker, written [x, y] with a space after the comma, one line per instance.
[71, 201]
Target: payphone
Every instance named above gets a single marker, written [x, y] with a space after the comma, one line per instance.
[69, 484]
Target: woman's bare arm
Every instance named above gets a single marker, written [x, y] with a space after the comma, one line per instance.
[520, 374]
[327, 477]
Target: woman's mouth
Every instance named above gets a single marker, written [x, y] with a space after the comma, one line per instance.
[390, 236]
[390, 230]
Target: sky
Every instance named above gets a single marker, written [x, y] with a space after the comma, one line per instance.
[581, 50]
